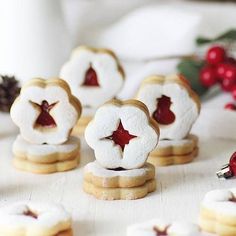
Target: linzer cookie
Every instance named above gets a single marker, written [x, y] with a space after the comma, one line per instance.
[172, 103]
[218, 212]
[158, 227]
[95, 76]
[122, 134]
[31, 219]
[171, 152]
[46, 112]
[175, 107]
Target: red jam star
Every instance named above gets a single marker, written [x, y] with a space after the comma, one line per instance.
[121, 136]
[45, 119]
[163, 115]
[91, 78]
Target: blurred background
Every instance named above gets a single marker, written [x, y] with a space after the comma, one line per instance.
[149, 36]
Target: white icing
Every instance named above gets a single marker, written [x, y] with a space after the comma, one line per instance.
[37, 150]
[219, 201]
[183, 106]
[24, 114]
[98, 170]
[135, 121]
[177, 228]
[50, 215]
[109, 77]
[88, 111]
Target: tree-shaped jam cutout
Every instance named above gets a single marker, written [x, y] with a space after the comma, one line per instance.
[45, 119]
[160, 232]
[163, 115]
[121, 136]
[90, 78]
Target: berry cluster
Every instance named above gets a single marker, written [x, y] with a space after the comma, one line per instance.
[220, 68]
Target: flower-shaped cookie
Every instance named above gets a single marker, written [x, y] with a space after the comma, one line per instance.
[172, 103]
[94, 75]
[159, 227]
[218, 212]
[30, 218]
[46, 111]
[122, 134]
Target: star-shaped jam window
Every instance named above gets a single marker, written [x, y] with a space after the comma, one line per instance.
[121, 136]
[161, 232]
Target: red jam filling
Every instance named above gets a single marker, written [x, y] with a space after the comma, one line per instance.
[163, 115]
[161, 232]
[45, 119]
[121, 136]
[91, 78]
[31, 214]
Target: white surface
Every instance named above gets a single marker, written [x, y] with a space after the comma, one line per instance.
[180, 190]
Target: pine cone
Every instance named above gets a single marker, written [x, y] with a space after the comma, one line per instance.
[9, 90]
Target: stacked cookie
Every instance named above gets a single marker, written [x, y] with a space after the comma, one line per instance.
[122, 135]
[34, 218]
[45, 113]
[95, 76]
[218, 212]
[175, 107]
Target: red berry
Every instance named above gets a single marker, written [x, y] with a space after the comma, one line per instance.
[227, 84]
[230, 72]
[220, 70]
[233, 92]
[215, 55]
[230, 60]
[230, 106]
[208, 76]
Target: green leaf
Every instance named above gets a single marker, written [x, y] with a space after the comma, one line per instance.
[190, 68]
[201, 41]
[229, 35]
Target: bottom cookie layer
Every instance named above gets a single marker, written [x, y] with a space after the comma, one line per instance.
[101, 177]
[172, 160]
[120, 193]
[211, 226]
[45, 168]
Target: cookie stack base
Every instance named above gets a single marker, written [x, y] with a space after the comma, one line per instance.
[171, 152]
[224, 227]
[46, 159]
[108, 184]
